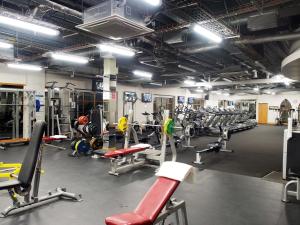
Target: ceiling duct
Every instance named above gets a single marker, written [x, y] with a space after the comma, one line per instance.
[291, 64]
[263, 21]
[114, 20]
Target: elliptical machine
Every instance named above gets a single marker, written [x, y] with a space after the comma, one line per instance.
[218, 146]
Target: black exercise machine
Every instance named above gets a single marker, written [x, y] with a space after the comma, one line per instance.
[218, 146]
[293, 168]
[31, 166]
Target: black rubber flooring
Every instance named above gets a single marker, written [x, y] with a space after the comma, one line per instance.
[257, 152]
[215, 198]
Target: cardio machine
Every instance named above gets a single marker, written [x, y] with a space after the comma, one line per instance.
[218, 146]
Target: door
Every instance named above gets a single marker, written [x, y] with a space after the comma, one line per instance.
[263, 113]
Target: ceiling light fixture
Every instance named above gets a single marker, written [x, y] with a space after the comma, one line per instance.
[256, 89]
[5, 45]
[187, 68]
[156, 84]
[207, 34]
[142, 74]
[226, 79]
[116, 49]
[24, 66]
[199, 90]
[28, 26]
[153, 2]
[69, 58]
[190, 82]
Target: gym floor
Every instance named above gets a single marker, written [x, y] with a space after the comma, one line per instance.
[228, 189]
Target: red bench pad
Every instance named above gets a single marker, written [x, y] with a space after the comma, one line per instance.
[151, 205]
[127, 219]
[121, 152]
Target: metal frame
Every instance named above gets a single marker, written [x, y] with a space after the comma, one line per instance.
[173, 207]
[287, 192]
[129, 162]
[28, 113]
[33, 199]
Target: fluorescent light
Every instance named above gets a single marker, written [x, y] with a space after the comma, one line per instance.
[228, 80]
[142, 74]
[190, 82]
[156, 84]
[226, 94]
[256, 89]
[69, 58]
[28, 26]
[5, 45]
[116, 49]
[199, 90]
[273, 93]
[24, 66]
[207, 34]
[153, 2]
[187, 68]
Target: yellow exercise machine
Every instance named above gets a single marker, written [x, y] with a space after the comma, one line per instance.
[9, 170]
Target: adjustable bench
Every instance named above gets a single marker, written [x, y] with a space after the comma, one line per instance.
[31, 166]
[157, 205]
[123, 160]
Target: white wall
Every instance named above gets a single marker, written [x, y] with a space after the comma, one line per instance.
[272, 100]
[62, 80]
[30, 79]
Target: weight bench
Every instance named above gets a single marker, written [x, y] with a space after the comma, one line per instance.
[31, 166]
[123, 160]
[157, 205]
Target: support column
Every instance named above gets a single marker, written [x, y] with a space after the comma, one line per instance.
[110, 72]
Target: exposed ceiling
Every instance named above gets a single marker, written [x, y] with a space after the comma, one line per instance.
[257, 36]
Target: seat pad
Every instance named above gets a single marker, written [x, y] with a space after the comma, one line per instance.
[4, 185]
[121, 152]
[127, 219]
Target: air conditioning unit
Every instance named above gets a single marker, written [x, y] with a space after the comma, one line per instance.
[114, 19]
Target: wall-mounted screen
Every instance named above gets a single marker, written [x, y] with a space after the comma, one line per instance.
[130, 96]
[97, 84]
[146, 97]
[180, 99]
[190, 100]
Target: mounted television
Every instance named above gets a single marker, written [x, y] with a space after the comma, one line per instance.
[97, 84]
[180, 99]
[190, 100]
[146, 97]
[130, 96]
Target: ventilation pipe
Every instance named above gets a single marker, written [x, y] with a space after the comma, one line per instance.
[291, 64]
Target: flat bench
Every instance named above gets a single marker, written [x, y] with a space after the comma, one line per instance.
[123, 152]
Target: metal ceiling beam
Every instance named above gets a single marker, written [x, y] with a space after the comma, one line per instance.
[244, 82]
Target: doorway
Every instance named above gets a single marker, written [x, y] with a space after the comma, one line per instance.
[263, 113]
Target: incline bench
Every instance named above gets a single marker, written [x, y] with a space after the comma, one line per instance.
[31, 166]
[157, 204]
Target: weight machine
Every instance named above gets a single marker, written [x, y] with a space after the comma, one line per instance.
[138, 155]
[17, 114]
[59, 105]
